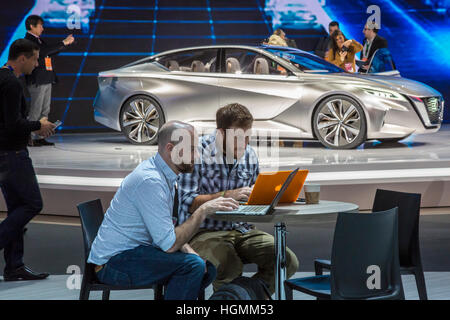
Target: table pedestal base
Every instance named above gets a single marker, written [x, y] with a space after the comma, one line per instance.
[280, 260]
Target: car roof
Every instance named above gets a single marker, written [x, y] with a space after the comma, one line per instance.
[260, 48]
[234, 46]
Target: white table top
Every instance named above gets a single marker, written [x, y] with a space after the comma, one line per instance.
[295, 212]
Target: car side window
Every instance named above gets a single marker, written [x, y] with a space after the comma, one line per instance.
[190, 61]
[240, 61]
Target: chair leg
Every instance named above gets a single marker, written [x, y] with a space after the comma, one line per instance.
[84, 292]
[105, 295]
[159, 295]
[420, 282]
[201, 295]
[288, 292]
[318, 269]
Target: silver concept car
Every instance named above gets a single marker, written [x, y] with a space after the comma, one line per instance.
[292, 92]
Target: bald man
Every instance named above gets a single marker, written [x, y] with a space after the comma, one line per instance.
[138, 243]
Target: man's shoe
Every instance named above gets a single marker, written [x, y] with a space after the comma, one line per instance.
[44, 142]
[34, 143]
[23, 273]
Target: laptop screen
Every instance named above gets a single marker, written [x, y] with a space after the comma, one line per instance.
[282, 190]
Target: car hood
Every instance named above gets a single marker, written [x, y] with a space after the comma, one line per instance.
[399, 84]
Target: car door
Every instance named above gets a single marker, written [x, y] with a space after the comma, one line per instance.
[257, 82]
[193, 90]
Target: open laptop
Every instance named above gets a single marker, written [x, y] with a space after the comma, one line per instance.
[268, 184]
[255, 210]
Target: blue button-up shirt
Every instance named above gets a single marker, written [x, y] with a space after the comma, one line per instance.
[140, 212]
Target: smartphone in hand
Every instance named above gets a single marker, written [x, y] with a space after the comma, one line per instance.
[57, 123]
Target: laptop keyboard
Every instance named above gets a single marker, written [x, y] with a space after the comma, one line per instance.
[247, 210]
[252, 209]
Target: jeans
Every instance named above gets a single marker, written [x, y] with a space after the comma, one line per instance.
[23, 200]
[228, 251]
[183, 273]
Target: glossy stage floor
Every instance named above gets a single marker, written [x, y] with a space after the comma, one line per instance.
[81, 167]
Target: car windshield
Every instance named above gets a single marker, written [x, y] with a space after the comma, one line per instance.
[305, 62]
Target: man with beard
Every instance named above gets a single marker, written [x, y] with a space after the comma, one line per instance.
[137, 242]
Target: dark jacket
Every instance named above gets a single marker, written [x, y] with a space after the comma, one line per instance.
[323, 45]
[40, 75]
[15, 129]
[291, 43]
[378, 43]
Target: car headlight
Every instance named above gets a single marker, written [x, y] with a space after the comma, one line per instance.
[384, 94]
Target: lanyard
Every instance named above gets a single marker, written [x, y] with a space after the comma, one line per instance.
[366, 48]
[9, 67]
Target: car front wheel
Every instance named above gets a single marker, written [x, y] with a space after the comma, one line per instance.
[339, 123]
[140, 120]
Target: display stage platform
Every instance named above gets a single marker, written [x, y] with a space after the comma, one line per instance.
[82, 167]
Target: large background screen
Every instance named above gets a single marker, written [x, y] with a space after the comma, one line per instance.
[112, 33]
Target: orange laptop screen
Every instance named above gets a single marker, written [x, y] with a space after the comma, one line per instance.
[269, 183]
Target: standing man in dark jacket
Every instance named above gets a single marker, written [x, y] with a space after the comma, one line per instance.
[17, 178]
[324, 43]
[39, 83]
[372, 42]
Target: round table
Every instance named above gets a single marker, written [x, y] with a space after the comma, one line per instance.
[292, 213]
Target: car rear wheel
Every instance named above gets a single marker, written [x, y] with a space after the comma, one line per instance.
[140, 120]
[339, 123]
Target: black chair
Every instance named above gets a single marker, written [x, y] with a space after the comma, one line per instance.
[91, 215]
[408, 232]
[359, 246]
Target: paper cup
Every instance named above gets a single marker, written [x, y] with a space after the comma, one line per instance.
[312, 193]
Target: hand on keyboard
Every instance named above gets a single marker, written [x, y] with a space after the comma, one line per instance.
[219, 204]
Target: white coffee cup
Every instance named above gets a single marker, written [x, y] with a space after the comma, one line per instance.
[312, 192]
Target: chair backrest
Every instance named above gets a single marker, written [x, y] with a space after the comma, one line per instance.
[408, 205]
[261, 66]
[173, 65]
[381, 61]
[365, 253]
[91, 215]
[232, 65]
[197, 66]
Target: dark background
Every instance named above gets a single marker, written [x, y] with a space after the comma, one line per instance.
[122, 31]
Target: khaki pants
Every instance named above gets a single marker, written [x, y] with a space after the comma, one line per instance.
[41, 96]
[230, 250]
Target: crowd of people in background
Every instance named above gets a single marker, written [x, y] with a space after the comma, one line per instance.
[336, 48]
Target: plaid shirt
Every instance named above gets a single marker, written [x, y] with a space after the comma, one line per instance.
[213, 175]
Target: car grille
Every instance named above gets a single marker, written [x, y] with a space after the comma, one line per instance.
[434, 106]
